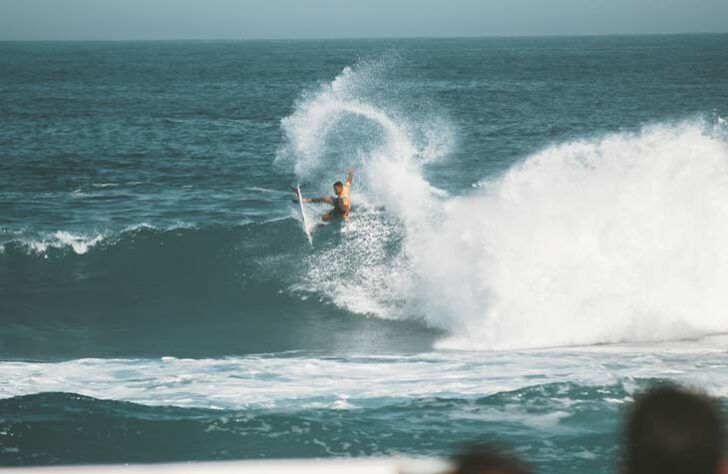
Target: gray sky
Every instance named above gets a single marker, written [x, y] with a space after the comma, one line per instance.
[224, 19]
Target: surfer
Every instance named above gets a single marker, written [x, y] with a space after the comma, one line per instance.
[341, 203]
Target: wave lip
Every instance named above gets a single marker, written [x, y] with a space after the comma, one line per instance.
[80, 243]
[61, 239]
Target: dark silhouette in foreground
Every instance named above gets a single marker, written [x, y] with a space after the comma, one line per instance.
[487, 459]
[673, 430]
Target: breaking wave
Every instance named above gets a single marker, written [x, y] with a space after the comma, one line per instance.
[608, 239]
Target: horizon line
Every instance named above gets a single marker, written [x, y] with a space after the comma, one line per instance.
[360, 38]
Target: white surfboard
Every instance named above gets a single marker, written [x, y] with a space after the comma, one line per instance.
[303, 215]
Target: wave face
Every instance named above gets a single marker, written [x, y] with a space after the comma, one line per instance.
[191, 292]
[610, 239]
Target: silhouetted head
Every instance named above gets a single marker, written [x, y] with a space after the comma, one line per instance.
[672, 430]
[338, 187]
[488, 459]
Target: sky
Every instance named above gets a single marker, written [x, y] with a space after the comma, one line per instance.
[252, 19]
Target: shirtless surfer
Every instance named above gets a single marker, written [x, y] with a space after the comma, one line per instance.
[341, 203]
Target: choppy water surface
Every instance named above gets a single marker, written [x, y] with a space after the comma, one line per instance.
[538, 232]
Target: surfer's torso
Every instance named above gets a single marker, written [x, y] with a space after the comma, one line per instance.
[341, 203]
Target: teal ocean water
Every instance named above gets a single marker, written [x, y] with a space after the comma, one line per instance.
[538, 232]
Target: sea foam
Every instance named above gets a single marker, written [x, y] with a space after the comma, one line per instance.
[272, 381]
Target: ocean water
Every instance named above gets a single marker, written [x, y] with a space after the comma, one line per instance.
[539, 231]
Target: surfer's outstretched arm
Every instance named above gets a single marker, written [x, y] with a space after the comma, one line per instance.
[327, 199]
[350, 177]
[321, 199]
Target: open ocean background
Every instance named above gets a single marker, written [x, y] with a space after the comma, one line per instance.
[539, 230]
